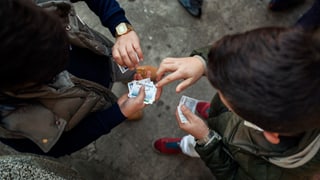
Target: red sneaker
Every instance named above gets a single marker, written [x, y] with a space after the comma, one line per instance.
[203, 109]
[167, 145]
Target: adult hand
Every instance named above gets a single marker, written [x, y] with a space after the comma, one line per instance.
[190, 69]
[129, 106]
[194, 126]
[127, 51]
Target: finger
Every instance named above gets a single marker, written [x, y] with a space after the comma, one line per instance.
[164, 68]
[122, 99]
[116, 56]
[182, 125]
[158, 94]
[187, 113]
[126, 60]
[184, 84]
[133, 57]
[159, 77]
[141, 94]
[178, 117]
[149, 74]
[139, 52]
[168, 79]
[137, 76]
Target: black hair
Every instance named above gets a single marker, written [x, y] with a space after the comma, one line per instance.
[33, 47]
[270, 76]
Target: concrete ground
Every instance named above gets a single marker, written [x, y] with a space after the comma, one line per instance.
[166, 30]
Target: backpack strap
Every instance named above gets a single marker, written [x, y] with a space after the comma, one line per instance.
[79, 33]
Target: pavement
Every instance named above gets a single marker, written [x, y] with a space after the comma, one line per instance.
[165, 30]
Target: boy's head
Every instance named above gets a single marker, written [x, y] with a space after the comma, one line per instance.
[270, 77]
[33, 47]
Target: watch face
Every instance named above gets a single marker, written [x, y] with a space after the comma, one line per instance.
[121, 28]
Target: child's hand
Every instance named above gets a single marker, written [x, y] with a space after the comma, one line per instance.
[129, 106]
[148, 72]
[188, 69]
[139, 76]
[194, 126]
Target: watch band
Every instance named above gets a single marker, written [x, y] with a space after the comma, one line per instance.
[212, 135]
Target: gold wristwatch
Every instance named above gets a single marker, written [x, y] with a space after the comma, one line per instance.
[123, 28]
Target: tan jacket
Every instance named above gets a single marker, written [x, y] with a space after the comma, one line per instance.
[42, 113]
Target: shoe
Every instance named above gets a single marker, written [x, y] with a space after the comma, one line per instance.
[136, 116]
[279, 5]
[167, 145]
[142, 70]
[203, 109]
[192, 6]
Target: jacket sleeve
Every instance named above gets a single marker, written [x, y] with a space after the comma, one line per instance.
[246, 166]
[218, 160]
[109, 12]
[215, 155]
[203, 52]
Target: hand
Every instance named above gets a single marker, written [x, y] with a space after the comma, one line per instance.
[148, 74]
[127, 51]
[190, 69]
[129, 106]
[194, 126]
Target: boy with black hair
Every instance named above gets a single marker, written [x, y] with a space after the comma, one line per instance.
[264, 122]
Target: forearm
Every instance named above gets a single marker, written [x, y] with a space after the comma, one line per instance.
[109, 12]
[88, 130]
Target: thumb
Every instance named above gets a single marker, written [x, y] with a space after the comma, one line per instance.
[141, 94]
[186, 112]
[122, 99]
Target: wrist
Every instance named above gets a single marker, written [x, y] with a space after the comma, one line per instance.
[212, 135]
[122, 29]
[203, 62]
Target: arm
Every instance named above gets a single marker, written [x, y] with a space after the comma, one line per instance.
[218, 160]
[216, 157]
[127, 47]
[88, 130]
[109, 12]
